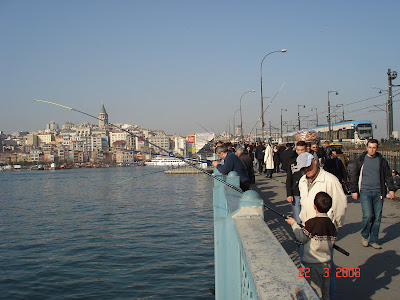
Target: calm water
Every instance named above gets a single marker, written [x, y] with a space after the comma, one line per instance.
[81, 234]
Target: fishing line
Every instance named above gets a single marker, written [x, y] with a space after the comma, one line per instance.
[268, 105]
[193, 165]
[158, 147]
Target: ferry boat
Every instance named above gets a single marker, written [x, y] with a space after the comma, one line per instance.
[165, 161]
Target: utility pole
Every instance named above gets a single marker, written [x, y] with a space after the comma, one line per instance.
[282, 109]
[298, 113]
[329, 115]
[391, 76]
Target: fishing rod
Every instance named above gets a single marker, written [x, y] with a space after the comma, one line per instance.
[181, 158]
[150, 143]
[285, 217]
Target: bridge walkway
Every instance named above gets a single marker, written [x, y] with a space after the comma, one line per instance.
[379, 269]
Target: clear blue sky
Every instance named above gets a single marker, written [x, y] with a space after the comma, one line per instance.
[172, 64]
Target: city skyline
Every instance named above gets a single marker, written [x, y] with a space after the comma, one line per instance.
[183, 66]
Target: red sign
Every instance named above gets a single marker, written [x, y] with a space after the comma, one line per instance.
[191, 139]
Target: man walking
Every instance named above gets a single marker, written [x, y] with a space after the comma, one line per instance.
[292, 182]
[369, 178]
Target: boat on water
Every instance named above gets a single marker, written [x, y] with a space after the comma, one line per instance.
[165, 161]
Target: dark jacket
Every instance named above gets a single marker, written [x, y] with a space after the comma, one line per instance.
[260, 152]
[385, 174]
[233, 163]
[286, 158]
[336, 167]
[248, 164]
[292, 181]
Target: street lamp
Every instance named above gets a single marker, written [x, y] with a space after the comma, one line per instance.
[329, 115]
[241, 121]
[262, 102]
[298, 113]
[282, 109]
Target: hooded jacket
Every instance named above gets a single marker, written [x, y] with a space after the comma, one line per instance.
[385, 174]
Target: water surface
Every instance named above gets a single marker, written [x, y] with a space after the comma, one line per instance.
[82, 234]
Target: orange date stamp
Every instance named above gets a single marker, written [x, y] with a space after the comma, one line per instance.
[340, 272]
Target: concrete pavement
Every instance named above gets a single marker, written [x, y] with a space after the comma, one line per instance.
[379, 269]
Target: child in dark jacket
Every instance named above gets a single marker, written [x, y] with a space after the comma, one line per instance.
[318, 236]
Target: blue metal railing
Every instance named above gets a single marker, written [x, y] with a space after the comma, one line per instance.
[250, 263]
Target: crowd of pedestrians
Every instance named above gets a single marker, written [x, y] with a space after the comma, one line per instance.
[317, 181]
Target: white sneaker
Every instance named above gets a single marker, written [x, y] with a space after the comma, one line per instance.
[364, 242]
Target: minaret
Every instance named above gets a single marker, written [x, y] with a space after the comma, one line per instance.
[103, 117]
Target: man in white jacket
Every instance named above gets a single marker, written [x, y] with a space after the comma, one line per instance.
[317, 180]
[269, 161]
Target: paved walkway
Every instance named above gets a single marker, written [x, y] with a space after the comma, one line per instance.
[379, 269]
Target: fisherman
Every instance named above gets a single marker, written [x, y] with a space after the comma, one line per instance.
[318, 236]
[317, 180]
[231, 163]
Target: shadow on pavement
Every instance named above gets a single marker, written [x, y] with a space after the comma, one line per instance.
[392, 232]
[349, 228]
[375, 274]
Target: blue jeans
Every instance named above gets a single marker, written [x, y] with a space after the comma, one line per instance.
[372, 204]
[296, 207]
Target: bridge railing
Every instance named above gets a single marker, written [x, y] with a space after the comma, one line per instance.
[250, 263]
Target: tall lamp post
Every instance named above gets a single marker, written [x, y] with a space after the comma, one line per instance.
[329, 115]
[282, 109]
[262, 102]
[241, 121]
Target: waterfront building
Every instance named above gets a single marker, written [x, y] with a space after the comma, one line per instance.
[103, 117]
[160, 141]
[117, 135]
[35, 155]
[124, 157]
